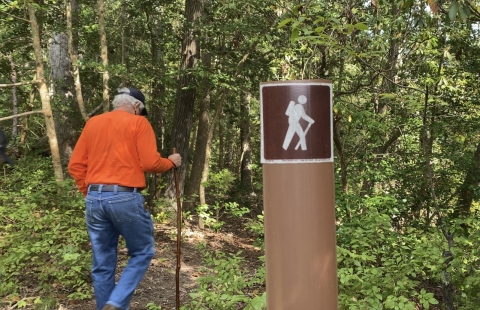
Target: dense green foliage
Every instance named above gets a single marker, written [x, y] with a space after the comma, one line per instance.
[42, 233]
[224, 284]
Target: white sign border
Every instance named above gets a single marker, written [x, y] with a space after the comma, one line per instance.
[294, 161]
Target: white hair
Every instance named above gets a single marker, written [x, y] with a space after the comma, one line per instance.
[122, 99]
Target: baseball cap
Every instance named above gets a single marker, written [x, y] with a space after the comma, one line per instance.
[135, 93]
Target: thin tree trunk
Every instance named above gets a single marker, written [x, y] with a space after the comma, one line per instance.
[246, 156]
[469, 186]
[229, 162]
[192, 186]
[43, 90]
[221, 146]
[72, 11]
[184, 108]
[24, 128]
[208, 152]
[14, 98]
[124, 17]
[447, 255]
[156, 108]
[104, 53]
[341, 155]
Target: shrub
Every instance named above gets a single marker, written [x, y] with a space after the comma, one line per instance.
[218, 186]
[225, 283]
[43, 240]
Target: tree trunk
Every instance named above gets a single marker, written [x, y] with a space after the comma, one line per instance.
[182, 120]
[246, 157]
[341, 154]
[43, 90]
[221, 146]
[72, 14]
[469, 186]
[14, 98]
[24, 126]
[208, 152]
[192, 187]
[124, 33]
[156, 109]
[228, 152]
[104, 53]
[67, 118]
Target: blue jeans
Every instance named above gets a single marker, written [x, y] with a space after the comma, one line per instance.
[109, 215]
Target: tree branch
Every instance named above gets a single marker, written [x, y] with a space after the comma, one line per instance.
[21, 114]
[390, 80]
[19, 84]
[14, 16]
[94, 111]
[338, 94]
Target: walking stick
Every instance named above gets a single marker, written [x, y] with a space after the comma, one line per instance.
[304, 134]
[179, 234]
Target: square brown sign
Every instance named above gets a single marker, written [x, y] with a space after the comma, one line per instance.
[296, 118]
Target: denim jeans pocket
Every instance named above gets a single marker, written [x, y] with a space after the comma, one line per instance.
[88, 210]
[125, 208]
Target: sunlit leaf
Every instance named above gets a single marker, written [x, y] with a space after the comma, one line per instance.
[361, 26]
[294, 35]
[284, 22]
[452, 12]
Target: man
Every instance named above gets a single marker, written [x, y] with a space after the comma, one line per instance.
[108, 165]
[3, 146]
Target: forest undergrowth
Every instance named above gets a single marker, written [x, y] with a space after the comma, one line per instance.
[45, 253]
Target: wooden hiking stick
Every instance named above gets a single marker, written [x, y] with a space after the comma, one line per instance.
[179, 234]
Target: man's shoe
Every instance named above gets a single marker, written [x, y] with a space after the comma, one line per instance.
[110, 307]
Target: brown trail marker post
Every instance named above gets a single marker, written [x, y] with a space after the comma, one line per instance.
[299, 196]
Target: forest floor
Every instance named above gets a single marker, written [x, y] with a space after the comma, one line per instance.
[159, 284]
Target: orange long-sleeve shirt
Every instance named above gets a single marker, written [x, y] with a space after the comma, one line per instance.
[116, 148]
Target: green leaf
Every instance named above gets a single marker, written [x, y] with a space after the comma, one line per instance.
[294, 35]
[21, 303]
[361, 26]
[284, 22]
[433, 301]
[463, 12]
[452, 12]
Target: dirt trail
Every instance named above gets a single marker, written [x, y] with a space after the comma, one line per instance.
[158, 285]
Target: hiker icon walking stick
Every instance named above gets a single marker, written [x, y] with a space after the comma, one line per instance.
[179, 234]
[304, 135]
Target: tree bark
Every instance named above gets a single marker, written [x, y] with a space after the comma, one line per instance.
[229, 145]
[208, 152]
[65, 109]
[341, 153]
[104, 53]
[157, 108]
[192, 186]
[221, 146]
[43, 90]
[246, 157]
[184, 108]
[72, 12]
[14, 97]
[469, 185]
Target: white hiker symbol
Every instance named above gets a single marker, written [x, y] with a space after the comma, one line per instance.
[296, 112]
